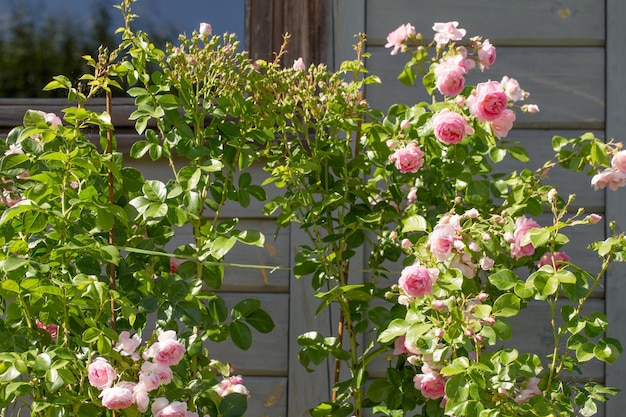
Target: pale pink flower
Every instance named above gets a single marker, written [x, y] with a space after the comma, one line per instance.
[141, 398]
[486, 54]
[405, 124]
[530, 108]
[530, 390]
[486, 263]
[52, 119]
[397, 39]
[298, 64]
[116, 398]
[503, 124]
[609, 178]
[512, 89]
[417, 280]
[450, 127]
[100, 373]
[488, 101]
[430, 383]
[411, 197]
[167, 351]
[233, 384]
[463, 263]
[398, 346]
[555, 259]
[149, 381]
[163, 408]
[618, 162]
[126, 345]
[408, 159]
[14, 149]
[447, 32]
[522, 226]
[205, 29]
[441, 241]
[163, 373]
[438, 305]
[472, 213]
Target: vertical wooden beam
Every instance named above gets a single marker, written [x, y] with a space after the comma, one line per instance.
[348, 19]
[305, 20]
[616, 200]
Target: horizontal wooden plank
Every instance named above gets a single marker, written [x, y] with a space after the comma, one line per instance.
[513, 22]
[268, 396]
[570, 95]
[268, 355]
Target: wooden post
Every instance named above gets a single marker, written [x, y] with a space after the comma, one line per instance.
[305, 20]
[616, 200]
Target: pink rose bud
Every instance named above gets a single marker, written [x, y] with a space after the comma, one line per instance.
[439, 305]
[472, 213]
[474, 247]
[552, 195]
[509, 237]
[406, 243]
[486, 263]
[205, 29]
[404, 124]
[438, 333]
[490, 321]
[530, 108]
[594, 218]
[298, 64]
[483, 296]
[393, 235]
[478, 338]
[469, 332]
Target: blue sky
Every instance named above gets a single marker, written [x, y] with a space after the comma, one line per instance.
[177, 16]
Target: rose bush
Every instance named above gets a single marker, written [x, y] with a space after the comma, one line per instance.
[454, 247]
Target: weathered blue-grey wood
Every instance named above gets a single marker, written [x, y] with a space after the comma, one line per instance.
[511, 22]
[616, 201]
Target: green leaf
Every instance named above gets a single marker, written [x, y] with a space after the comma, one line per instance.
[245, 307]
[507, 305]
[397, 328]
[457, 389]
[241, 335]
[538, 236]
[459, 365]
[608, 350]
[252, 237]
[221, 246]
[155, 190]
[378, 390]
[504, 279]
[585, 352]
[414, 223]
[234, 405]
[261, 321]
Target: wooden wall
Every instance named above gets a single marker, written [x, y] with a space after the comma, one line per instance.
[570, 56]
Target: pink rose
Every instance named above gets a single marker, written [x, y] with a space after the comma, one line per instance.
[126, 345]
[486, 263]
[167, 351]
[100, 373]
[430, 383]
[450, 127]
[503, 124]
[205, 30]
[618, 162]
[162, 372]
[447, 32]
[609, 178]
[53, 329]
[555, 259]
[450, 75]
[486, 54]
[398, 346]
[417, 281]
[593, 218]
[163, 408]
[52, 119]
[233, 384]
[522, 226]
[141, 398]
[298, 64]
[441, 241]
[408, 159]
[512, 89]
[405, 124]
[531, 389]
[115, 398]
[397, 39]
[463, 263]
[488, 101]
[411, 197]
